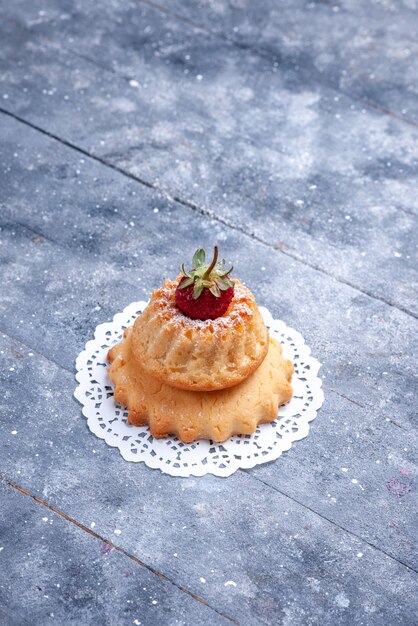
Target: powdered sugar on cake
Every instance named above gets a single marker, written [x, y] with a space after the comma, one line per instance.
[237, 310]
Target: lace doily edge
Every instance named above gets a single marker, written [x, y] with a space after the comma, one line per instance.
[201, 470]
[243, 462]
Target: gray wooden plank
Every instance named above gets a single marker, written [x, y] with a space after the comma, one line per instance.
[367, 50]
[289, 565]
[97, 261]
[51, 570]
[116, 249]
[357, 469]
[108, 246]
[294, 164]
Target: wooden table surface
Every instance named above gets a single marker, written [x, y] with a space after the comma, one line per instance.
[133, 132]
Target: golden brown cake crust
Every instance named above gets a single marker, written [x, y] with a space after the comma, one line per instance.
[191, 415]
[200, 355]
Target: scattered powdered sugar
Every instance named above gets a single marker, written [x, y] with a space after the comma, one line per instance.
[238, 309]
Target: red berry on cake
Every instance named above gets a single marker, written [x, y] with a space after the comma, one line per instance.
[205, 292]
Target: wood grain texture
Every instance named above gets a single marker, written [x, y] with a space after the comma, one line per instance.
[226, 131]
[364, 49]
[71, 575]
[285, 560]
[103, 246]
[132, 133]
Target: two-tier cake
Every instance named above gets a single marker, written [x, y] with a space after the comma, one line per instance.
[199, 362]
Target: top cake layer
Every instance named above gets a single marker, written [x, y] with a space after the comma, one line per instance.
[195, 354]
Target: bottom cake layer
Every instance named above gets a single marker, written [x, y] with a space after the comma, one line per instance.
[192, 415]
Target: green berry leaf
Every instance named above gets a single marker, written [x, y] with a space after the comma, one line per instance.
[198, 288]
[224, 284]
[186, 283]
[222, 272]
[213, 276]
[215, 290]
[185, 272]
[198, 258]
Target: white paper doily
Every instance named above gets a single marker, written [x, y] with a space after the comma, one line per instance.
[108, 420]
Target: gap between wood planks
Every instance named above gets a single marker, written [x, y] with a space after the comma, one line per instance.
[249, 473]
[130, 556]
[257, 50]
[71, 371]
[350, 532]
[162, 576]
[204, 212]
[38, 352]
[266, 54]
[369, 104]
[233, 42]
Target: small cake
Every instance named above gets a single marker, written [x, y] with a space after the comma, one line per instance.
[198, 362]
[191, 415]
[200, 355]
